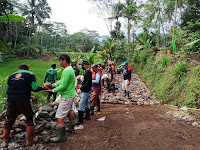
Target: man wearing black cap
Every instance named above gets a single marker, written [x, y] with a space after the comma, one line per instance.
[19, 87]
[86, 90]
[76, 70]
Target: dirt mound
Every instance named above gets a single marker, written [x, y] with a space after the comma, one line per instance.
[47, 56]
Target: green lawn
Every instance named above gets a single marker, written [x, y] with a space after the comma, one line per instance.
[36, 66]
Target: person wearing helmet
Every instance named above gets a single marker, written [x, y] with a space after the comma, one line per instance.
[127, 77]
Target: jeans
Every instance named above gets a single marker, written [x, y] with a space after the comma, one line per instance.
[84, 101]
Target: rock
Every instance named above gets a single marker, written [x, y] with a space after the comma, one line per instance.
[194, 124]
[157, 103]
[146, 103]
[128, 102]
[52, 115]
[134, 103]
[13, 146]
[42, 114]
[115, 102]
[21, 125]
[21, 135]
[1, 130]
[48, 126]
[44, 132]
[40, 127]
[47, 139]
[55, 107]
[4, 145]
[46, 108]
[53, 125]
[121, 102]
[152, 103]
[17, 130]
[23, 118]
[140, 103]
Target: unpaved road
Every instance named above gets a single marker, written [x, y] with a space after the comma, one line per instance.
[132, 128]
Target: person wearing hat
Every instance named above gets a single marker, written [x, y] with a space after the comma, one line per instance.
[51, 76]
[66, 87]
[19, 87]
[127, 77]
[86, 90]
[96, 84]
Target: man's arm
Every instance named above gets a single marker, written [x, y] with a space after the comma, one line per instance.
[62, 84]
[97, 79]
[45, 77]
[34, 84]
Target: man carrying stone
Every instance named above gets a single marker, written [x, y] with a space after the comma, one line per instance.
[127, 77]
[66, 87]
[51, 76]
[19, 87]
[86, 90]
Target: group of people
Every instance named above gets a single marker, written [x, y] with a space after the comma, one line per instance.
[21, 83]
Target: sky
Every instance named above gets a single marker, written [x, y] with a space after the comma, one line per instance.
[76, 14]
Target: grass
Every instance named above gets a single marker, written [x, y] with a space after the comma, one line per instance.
[38, 67]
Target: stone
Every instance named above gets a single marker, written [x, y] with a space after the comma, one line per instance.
[140, 103]
[52, 115]
[21, 135]
[134, 103]
[4, 145]
[23, 118]
[157, 103]
[42, 114]
[152, 103]
[194, 124]
[46, 108]
[44, 132]
[1, 130]
[13, 146]
[40, 127]
[115, 102]
[128, 102]
[146, 103]
[17, 130]
[53, 125]
[48, 126]
[21, 125]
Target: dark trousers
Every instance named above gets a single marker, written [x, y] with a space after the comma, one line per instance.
[16, 108]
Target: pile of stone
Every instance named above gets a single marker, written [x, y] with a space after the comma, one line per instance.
[184, 114]
[139, 93]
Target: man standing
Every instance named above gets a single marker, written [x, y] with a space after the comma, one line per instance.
[51, 76]
[66, 87]
[96, 84]
[76, 70]
[19, 87]
[127, 77]
[86, 90]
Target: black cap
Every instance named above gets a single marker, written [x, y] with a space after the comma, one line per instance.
[23, 66]
[84, 62]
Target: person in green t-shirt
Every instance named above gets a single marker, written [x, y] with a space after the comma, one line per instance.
[66, 87]
[51, 76]
[76, 70]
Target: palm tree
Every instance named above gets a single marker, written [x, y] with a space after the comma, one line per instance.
[35, 10]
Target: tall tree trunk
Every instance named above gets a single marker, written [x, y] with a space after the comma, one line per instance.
[54, 47]
[29, 41]
[174, 24]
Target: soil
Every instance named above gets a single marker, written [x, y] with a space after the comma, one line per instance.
[132, 128]
[47, 56]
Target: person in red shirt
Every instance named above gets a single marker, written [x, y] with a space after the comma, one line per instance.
[127, 77]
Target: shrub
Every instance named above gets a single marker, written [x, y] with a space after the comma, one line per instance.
[179, 70]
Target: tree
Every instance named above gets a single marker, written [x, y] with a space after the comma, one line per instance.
[35, 10]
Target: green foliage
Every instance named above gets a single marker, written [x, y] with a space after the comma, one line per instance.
[3, 83]
[179, 70]
[174, 84]
[12, 18]
[143, 55]
[9, 57]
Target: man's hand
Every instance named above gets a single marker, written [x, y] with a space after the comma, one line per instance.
[49, 91]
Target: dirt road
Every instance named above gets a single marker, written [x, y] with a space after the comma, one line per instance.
[132, 128]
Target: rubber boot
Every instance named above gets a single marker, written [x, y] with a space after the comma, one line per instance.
[91, 111]
[128, 95]
[61, 134]
[70, 127]
[6, 135]
[80, 119]
[48, 99]
[87, 115]
[30, 140]
[124, 93]
[54, 98]
[98, 108]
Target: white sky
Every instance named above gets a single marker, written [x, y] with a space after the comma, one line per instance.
[76, 14]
